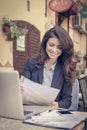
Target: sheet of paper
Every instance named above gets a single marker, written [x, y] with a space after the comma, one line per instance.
[38, 94]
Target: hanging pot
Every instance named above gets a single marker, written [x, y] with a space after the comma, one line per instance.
[6, 28]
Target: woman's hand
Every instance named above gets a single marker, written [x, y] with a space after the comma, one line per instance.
[22, 88]
[55, 105]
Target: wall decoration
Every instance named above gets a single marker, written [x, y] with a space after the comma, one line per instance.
[46, 8]
[28, 5]
[21, 43]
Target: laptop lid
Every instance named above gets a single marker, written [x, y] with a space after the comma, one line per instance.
[11, 105]
[10, 95]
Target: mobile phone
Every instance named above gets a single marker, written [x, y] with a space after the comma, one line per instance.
[65, 112]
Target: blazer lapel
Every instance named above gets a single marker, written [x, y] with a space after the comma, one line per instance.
[57, 77]
[41, 73]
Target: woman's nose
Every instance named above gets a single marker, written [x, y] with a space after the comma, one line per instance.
[54, 48]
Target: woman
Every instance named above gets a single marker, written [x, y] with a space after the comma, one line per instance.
[55, 66]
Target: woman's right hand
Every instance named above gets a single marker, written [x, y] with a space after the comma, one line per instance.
[22, 89]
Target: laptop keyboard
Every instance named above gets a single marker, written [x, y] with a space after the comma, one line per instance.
[27, 112]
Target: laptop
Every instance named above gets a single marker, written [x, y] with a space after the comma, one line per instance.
[11, 103]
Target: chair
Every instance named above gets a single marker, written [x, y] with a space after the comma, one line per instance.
[75, 97]
[83, 90]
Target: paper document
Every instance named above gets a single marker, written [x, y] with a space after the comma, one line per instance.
[36, 93]
[57, 120]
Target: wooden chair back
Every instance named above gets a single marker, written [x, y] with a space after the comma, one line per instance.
[83, 90]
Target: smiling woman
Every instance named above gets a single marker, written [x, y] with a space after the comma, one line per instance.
[54, 66]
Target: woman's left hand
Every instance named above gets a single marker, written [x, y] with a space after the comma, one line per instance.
[55, 105]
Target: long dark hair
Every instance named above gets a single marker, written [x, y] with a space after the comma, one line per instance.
[67, 56]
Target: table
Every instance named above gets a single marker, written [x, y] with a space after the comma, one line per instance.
[12, 124]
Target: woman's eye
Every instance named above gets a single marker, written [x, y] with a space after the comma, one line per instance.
[51, 44]
[59, 47]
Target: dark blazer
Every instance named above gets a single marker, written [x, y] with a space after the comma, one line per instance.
[35, 73]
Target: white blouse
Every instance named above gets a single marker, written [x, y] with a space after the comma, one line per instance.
[48, 75]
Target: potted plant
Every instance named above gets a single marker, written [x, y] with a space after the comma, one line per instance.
[6, 24]
[11, 30]
[78, 55]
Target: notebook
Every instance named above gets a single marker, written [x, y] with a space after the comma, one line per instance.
[11, 104]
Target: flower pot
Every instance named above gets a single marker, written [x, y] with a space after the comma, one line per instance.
[6, 28]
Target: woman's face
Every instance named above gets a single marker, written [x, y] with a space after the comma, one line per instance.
[53, 48]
